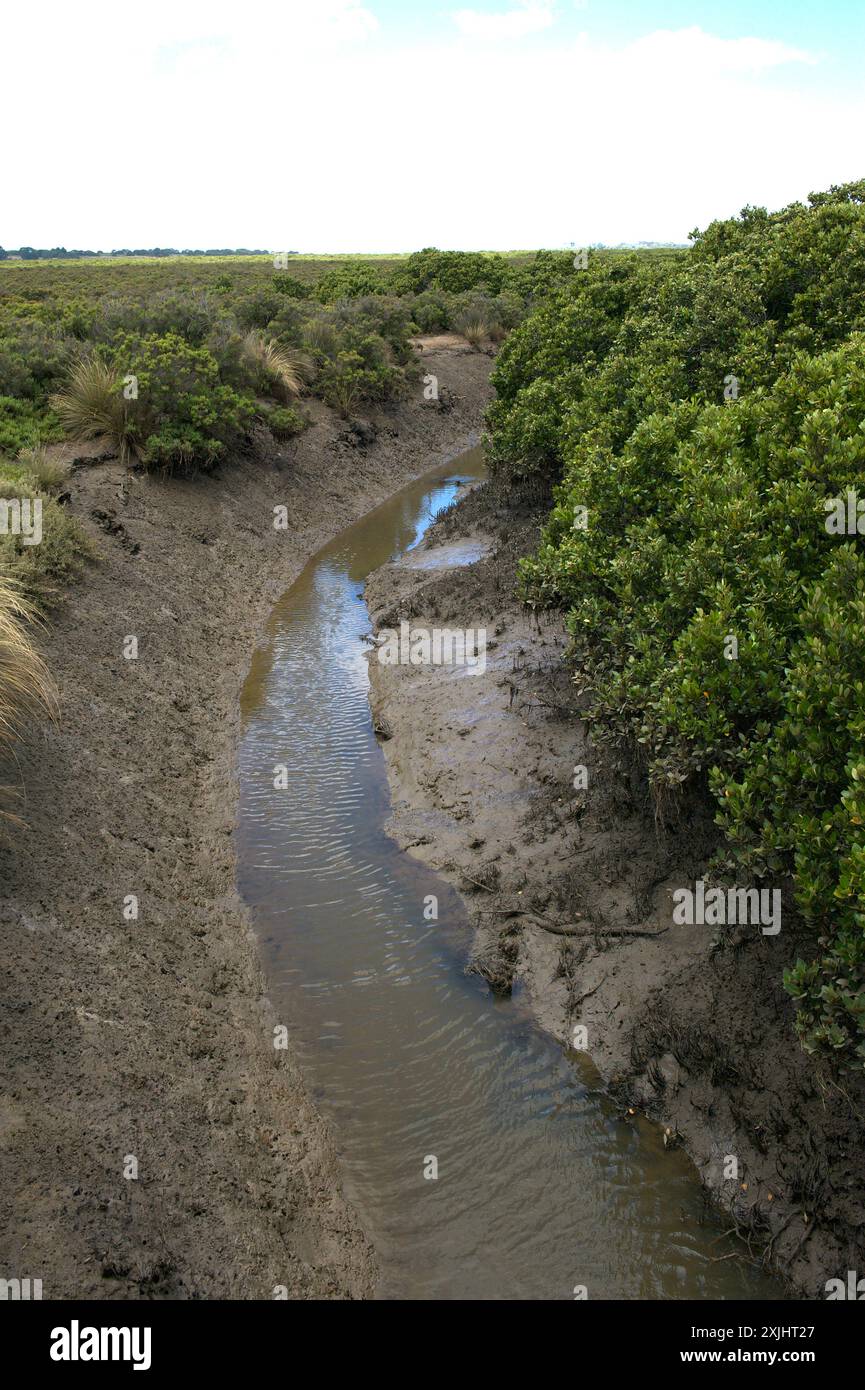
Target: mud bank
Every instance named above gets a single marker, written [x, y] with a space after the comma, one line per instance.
[149, 1038]
[570, 893]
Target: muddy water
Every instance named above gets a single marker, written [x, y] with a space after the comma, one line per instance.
[540, 1186]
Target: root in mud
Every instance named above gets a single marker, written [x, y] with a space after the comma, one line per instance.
[698, 1051]
[495, 958]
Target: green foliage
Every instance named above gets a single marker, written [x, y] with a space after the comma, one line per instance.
[284, 422]
[430, 311]
[349, 283]
[360, 350]
[355, 316]
[360, 373]
[290, 286]
[33, 358]
[452, 271]
[22, 423]
[256, 310]
[183, 417]
[40, 572]
[799, 800]
[700, 414]
[187, 313]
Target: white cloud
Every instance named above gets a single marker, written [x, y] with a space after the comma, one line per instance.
[674, 49]
[306, 128]
[511, 24]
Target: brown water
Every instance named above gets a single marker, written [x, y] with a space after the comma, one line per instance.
[540, 1187]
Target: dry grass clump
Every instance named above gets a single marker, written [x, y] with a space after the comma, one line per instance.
[476, 331]
[26, 688]
[288, 367]
[92, 404]
[48, 474]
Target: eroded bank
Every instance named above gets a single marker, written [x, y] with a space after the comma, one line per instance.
[568, 880]
[151, 1037]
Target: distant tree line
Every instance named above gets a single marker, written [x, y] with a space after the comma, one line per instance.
[54, 253]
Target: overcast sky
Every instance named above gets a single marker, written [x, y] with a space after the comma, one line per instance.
[339, 126]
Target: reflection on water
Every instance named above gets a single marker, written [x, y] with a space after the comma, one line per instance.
[540, 1186]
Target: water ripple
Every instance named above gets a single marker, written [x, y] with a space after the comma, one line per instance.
[539, 1186]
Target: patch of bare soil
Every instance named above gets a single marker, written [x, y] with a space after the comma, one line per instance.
[144, 1043]
[441, 342]
[569, 879]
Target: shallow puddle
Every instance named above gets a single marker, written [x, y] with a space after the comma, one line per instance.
[540, 1187]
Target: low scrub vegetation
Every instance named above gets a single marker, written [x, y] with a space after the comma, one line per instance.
[703, 421]
[37, 572]
[87, 348]
[174, 363]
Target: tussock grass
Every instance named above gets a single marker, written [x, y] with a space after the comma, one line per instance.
[476, 331]
[286, 366]
[48, 474]
[26, 689]
[92, 404]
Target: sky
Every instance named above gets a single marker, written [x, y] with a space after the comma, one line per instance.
[389, 125]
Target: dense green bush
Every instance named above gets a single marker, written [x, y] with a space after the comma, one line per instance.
[284, 422]
[452, 271]
[360, 373]
[349, 283]
[430, 311]
[384, 316]
[257, 310]
[22, 423]
[33, 358]
[189, 314]
[182, 416]
[700, 415]
[799, 800]
[290, 286]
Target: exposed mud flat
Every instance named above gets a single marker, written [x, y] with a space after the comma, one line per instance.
[570, 893]
[152, 1038]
